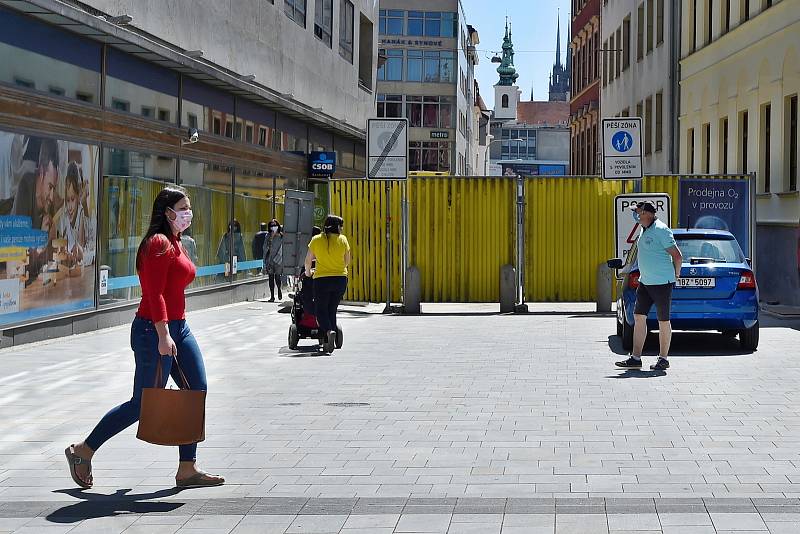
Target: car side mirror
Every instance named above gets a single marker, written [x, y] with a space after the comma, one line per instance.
[616, 263]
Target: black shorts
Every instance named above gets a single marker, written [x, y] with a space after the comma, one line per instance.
[660, 295]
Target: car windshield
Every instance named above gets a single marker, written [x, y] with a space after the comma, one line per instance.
[715, 249]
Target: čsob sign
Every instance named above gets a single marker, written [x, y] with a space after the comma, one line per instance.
[322, 164]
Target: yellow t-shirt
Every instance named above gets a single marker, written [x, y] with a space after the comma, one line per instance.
[330, 253]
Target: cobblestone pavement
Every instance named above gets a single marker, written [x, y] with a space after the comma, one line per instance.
[451, 422]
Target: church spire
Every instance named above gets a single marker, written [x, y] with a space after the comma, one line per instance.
[558, 39]
[508, 74]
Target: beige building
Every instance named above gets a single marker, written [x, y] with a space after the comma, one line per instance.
[740, 79]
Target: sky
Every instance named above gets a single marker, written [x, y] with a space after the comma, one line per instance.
[533, 24]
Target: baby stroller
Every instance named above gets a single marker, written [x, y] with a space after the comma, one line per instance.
[304, 322]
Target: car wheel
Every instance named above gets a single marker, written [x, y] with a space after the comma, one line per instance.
[749, 337]
[627, 335]
[294, 337]
[339, 337]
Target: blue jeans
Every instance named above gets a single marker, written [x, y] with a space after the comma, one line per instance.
[144, 342]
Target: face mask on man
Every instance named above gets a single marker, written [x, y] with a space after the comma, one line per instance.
[636, 217]
[183, 219]
[273, 229]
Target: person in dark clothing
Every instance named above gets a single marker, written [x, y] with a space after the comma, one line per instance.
[257, 246]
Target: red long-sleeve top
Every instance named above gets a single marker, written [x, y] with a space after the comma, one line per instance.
[165, 272]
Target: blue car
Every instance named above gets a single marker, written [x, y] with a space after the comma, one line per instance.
[717, 289]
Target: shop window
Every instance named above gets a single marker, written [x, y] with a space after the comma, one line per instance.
[130, 183]
[215, 236]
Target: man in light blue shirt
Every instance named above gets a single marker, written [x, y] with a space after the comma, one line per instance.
[659, 262]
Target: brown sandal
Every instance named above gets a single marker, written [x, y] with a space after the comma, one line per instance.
[200, 480]
[73, 460]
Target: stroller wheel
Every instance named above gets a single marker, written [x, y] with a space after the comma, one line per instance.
[294, 337]
[339, 337]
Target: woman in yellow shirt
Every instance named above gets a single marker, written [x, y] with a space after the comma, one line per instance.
[331, 251]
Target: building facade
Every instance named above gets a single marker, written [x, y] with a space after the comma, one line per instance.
[97, 101]
[427, 75]
[528, 138]
[740, 79]
[640, 75]
[585, 97]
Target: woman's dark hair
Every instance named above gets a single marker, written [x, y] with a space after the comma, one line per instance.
[275, 222]
[332, 224]
[73, 177]
[234, 226]
[159, 224]
[316, 230]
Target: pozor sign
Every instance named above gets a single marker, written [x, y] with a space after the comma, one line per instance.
[622, 149]
[627, 228]
[321, 164]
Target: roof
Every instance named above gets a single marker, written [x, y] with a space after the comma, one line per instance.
[551, 113]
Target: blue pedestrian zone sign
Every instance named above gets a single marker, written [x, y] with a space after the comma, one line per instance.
[622, 141]
[622, 149]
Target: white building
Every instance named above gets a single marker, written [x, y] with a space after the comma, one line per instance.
[639, 74]
[740, 79]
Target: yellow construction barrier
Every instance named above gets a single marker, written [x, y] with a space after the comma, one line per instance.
[463, 230]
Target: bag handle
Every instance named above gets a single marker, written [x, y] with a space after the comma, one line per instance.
[185, 384]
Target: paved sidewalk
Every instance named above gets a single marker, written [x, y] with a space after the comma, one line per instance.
[445, 423]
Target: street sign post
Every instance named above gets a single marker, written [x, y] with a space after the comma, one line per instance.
[387, 149]
[622, 149]
[627, 230]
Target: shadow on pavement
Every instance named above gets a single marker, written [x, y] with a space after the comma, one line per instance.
[94, 506]
[308, 351]
[687, 344]
[638, 373]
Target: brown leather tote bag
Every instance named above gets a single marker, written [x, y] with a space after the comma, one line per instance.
[172, 416]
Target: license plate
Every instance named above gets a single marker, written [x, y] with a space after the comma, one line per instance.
[696, 282]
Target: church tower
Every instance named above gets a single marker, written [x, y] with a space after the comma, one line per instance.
[506, 93]
[560, 77]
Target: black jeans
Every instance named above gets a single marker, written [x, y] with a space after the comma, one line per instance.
[328, 293]
[274, 280]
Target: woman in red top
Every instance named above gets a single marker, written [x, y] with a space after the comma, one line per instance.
[159, 335]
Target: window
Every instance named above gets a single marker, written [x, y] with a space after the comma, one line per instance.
[626, 43]
[414, 65]
[58, 91]
[618, 55]
[84, 97]
[346, 22]
[612, 58]
[766, 139]
[648, 126]
[640, 33]
[217, 130]
[433, 24]
[693, 27]
[651, 13]
[391, 22]
[148, 112]
[390, 106]
[660, 21]
[323, 21]
[429, 156]
[212, 107]
[505, 101]
[709, 21]
[605, 63]
[659, 122]
[744, 10]
[148, 87]
[791, 138]
[120, 105]
[626, 112]
[743, 140]
[723, 144]
[429, 111]
[416, 23]
[296, 10]
[640, 109]
[248, 135]
[262, 136]
[191, 120]
[366, 49]
[229, 129]
[163, 115]
[392, 69]
[706, 133]
[690, 149]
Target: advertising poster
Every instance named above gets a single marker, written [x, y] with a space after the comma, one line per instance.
[717, 205]
[48, 227]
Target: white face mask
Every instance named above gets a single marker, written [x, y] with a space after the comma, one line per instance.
[183, 219]
[273, 229]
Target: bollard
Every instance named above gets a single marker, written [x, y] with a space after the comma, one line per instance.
[508, 288]
[604, 285]
[413, 292]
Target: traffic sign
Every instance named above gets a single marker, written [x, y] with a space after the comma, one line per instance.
[627, 230]
[622, 148]
[387, 148]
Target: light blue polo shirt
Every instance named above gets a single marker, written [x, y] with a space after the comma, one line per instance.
[655, 263]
